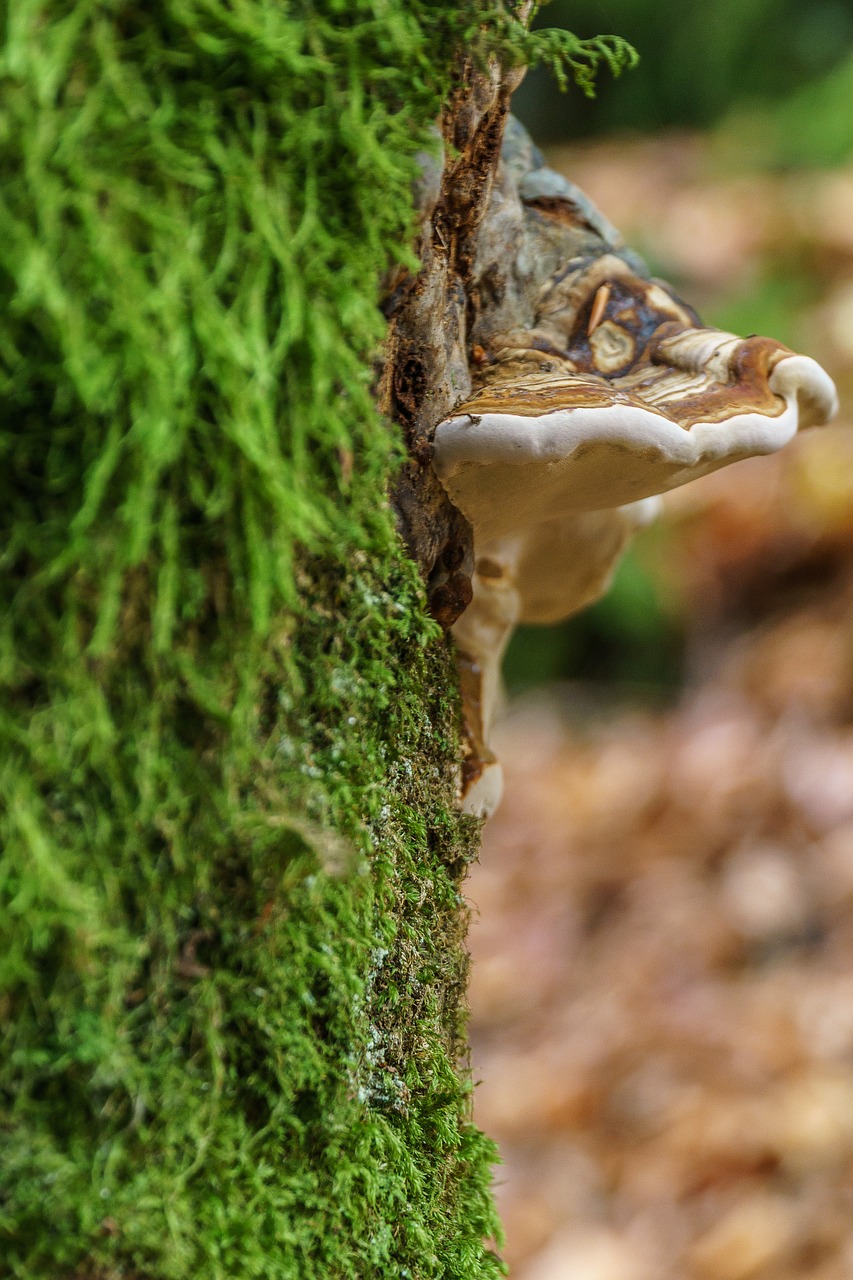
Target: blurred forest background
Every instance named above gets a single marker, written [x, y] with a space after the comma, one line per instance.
[662, 985]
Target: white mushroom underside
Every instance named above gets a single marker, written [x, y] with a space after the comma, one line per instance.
[506, 471]
[544, 574]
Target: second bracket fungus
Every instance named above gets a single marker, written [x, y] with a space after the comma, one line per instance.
[594, 390]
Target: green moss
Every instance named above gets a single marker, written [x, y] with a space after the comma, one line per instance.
[232, 962]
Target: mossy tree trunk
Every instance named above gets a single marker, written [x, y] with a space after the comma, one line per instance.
[232, 961]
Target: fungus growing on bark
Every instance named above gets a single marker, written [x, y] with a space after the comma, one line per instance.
[616, 394]
[569, 390]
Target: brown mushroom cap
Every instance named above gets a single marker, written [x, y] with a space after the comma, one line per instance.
[630, 399]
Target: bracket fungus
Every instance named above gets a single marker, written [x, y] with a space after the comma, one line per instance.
[594, 389]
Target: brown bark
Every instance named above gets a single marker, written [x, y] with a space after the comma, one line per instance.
[428, 360]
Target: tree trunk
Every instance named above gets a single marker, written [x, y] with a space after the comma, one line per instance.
[233, 959]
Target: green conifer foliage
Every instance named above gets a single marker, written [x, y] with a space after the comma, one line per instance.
[231, 930]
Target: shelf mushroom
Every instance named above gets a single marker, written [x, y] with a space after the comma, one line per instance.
[615, 395]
